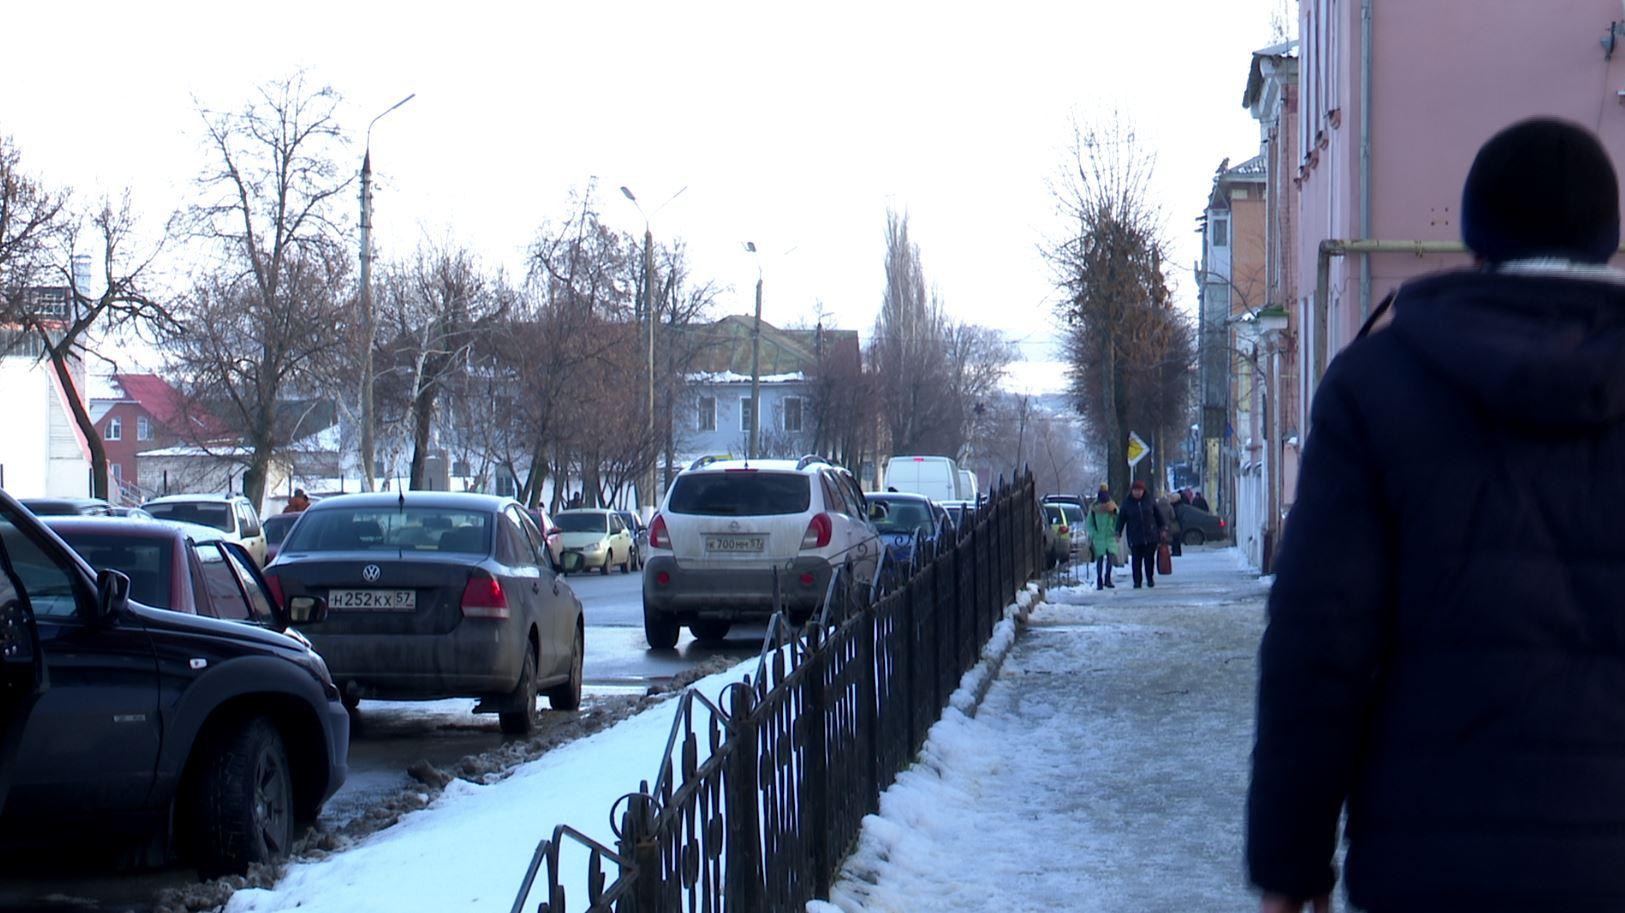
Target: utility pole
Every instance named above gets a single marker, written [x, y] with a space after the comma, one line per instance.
[368, 444]
[649, 314]
[756, 370]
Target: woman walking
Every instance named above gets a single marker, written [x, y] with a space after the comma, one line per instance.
[1144, 525]
[1102, 526]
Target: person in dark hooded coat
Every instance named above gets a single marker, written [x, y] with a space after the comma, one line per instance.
[1444, 657]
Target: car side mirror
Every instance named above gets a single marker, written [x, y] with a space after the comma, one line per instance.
[112, 593]
[571, 562]
[307, 610]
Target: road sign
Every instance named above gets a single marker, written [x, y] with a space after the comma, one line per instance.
[1137, 449]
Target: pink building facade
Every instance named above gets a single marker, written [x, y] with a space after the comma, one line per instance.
[1394, 99]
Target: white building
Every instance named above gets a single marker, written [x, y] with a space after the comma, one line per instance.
[42, 453]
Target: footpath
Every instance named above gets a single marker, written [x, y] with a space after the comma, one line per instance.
[1106, 768]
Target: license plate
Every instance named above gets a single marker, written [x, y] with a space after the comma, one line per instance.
[735, 544]
[373, 600]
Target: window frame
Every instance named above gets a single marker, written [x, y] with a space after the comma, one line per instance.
[746, 418]
[705, 414]
[143, 428]
[801, 414]
[114, 430]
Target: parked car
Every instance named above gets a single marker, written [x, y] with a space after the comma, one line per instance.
[549, 530]
[1058, 544]
[438, 594]
[726, 527]
[640, 536]
[1074, 516]
[600, 537]
[276, 528]
[177, 566]
[231, 514]
[1198, 526]
[956, 511]
[67, 507]
[936, 477]
[129, 513]
[160, 730]
[908, 520]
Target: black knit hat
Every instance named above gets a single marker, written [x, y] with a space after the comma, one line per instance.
[1542, 187]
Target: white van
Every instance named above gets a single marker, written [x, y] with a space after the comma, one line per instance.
[967, 486]
[936, 477]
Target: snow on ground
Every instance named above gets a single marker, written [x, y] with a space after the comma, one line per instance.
[1106, 769]
[469, 849]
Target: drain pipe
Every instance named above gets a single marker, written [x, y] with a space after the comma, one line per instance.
[1323, 269]
[1365, 154]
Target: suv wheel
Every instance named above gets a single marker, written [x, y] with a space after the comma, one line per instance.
[626, 566]
[522, 719]
[568, 695]
[660, 631]
[244, 801]
[1194, 537]
[609, 555]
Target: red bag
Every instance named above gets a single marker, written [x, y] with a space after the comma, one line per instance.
[1165, 559]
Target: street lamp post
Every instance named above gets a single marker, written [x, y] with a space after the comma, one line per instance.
[368, 445]
[753, 451]
[649, 315]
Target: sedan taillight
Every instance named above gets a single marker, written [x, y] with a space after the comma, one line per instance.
[483, 598]
[658, 537]
[274, 584]
[819, 532]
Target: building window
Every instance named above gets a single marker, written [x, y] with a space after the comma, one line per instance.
[745, 422]
[115, 430]
[792, 413]
[143, 429]
[708, 413]
[1221, 232]
[118, 472]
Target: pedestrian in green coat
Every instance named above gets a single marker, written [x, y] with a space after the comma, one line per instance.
[1102, 526]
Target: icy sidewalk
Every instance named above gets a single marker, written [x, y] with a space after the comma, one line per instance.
[1106, 770]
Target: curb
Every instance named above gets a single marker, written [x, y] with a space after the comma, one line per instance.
[993, 657]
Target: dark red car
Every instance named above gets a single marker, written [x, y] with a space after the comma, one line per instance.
[169, 569]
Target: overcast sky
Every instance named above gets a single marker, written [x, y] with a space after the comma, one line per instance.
[792, 126]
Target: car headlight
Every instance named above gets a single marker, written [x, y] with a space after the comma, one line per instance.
[596, 546]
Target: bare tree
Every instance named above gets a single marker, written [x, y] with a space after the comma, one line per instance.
[1130, 353]
[907, 351]
[33, 220]
[275, 303]
[435, 309]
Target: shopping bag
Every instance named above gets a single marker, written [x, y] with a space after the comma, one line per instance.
[1120, 553]
[1165, 559]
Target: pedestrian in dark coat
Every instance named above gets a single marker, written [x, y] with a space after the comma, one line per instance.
[1140, 520]
[1444, 659]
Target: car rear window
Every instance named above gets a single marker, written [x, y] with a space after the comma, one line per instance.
[146, 560]
[277, 526]
[201, 513]
[904, 516]
[415, 529]
[744, 493]
[582, 523]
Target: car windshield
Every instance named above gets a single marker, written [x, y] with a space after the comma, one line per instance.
[143, 559]
[416, 529]
[745, 493]
[587, 522]
[276, 527]
[203, 513]
[903, 516]
[1053, 514]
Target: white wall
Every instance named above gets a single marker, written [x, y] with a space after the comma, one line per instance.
[40, 450]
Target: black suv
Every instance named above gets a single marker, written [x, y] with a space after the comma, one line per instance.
[164, 730]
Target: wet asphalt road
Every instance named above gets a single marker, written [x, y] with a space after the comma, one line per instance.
[388, 737]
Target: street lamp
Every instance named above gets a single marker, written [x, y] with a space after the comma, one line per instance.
[751, 452]
[368, 445]
[649, 315]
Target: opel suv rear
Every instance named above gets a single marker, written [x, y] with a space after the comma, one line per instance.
[727, 529]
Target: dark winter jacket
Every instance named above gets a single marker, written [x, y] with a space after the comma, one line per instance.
[1445, 650]
[1141, 520]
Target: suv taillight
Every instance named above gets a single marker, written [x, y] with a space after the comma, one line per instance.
[819, 532]
[483, 598]
[658, 538]
[274, 584]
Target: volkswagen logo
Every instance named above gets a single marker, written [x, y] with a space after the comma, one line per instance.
[371, 573]
[733, 527]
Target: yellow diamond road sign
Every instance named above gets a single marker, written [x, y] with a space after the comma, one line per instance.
[1137, 449]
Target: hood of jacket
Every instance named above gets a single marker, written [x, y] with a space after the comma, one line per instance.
[1539, 348]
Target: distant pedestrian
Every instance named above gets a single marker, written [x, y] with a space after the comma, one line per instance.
[575, 500]
[1199, 502]
[1102, 526]
[298, 502]
[1139, 520]
[1464, 713]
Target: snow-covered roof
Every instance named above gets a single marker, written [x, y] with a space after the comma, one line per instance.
[731, 377]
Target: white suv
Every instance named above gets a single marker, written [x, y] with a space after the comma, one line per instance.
[726, 525]
[232, 515]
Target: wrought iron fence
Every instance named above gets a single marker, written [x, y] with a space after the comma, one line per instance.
[761, 794]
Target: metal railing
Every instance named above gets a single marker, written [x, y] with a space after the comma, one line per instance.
[761, 794]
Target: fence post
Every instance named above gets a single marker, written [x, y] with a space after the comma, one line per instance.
[743, 890]
[818, 793]
[868, 708]
[640, 842]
